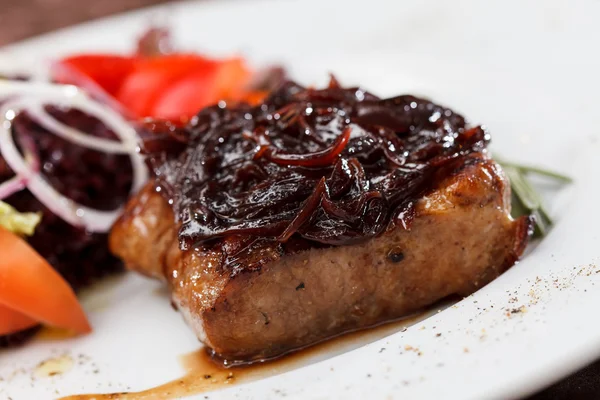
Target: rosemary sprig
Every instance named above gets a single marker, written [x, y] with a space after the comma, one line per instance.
[526, 200]
[537, 170]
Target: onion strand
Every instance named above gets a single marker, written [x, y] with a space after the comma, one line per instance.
[32, 97]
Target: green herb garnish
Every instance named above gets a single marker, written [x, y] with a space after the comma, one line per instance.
[526, 200]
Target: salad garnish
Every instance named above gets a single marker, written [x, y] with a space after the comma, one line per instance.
[17, 222]
[526, 199]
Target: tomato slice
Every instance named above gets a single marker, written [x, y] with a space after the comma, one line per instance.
[13, 321]
[187, 96]
[255, 97]
[107, 70]
[153, 76]
[232, 79]
[30, 286]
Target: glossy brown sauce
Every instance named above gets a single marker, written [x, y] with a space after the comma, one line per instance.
[203, 374]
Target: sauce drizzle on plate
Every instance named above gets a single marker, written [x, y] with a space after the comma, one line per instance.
[204, 374]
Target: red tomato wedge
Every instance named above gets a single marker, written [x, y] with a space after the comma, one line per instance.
[232, 79]
[153, 76]
[13, 321]
[173, 86]
[30, 286]
[254, 98]
[185, 97]
[109, 71]
[197, 90]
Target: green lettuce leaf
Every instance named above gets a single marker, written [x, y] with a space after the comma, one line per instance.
[16, 222]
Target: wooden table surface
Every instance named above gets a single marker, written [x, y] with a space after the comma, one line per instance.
[20, 19]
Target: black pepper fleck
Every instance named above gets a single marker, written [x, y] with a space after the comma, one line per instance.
[396, 255]
[266, 317]
[300, 286]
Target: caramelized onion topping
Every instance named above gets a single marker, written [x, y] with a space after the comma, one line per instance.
[334, 166]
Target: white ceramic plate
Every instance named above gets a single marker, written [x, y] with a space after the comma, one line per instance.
[528, 70]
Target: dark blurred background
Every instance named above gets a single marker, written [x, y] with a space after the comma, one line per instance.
[20, 19]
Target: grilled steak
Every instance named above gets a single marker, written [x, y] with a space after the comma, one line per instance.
[316, 213]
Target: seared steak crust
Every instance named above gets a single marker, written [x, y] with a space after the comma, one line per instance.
[461, 238]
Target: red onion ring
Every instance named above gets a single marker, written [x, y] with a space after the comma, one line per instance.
[12, 186]
[34, 96]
